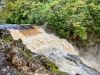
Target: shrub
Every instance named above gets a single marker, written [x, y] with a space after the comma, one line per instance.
[69, 18]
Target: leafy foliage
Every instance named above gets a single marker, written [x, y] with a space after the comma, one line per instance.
[70, 18]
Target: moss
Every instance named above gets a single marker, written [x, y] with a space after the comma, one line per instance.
[26, 53]
[53, 67]
[7, 39]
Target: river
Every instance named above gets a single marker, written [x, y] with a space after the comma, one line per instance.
[68, 58]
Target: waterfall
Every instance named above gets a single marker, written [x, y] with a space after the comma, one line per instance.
[91, 57]
[39, 39]
[57, 50]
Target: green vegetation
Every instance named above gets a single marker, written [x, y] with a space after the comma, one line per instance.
[26, 53]
[5, 38]
[51, 66]
[71, 19]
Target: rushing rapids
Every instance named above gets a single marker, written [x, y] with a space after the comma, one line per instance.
[59, 51]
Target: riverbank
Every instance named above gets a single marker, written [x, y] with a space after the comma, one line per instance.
[21, 60]
[42, 53]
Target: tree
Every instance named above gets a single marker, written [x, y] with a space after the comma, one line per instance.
[71, 19]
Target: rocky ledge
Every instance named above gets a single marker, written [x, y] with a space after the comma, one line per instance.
[22, 59]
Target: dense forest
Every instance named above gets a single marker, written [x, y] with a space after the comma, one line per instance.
[71, 19]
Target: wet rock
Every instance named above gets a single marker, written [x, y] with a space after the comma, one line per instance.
[74, 58]
[77, 74]
[25, 69]
[23, 59]
[67, 62]
[4, 69]
[9, 26]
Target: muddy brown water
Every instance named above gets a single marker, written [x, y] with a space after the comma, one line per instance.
[52, 47]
